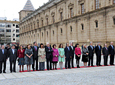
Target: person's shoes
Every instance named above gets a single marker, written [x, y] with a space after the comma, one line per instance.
[88, 65]
[66, 68]
[78, 66]
[100, 65]
[56, 68]
[10, 71]
[73, 67]
[4, 72]
[14, 71]
[0, 72]
[92, 65]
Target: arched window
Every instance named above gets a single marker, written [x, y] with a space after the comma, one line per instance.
[96, 24]
[71, 28]
[61, 30]
[82, 26]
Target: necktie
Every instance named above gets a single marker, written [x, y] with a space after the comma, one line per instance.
[106, 48]
[35, 48]
[68, 48]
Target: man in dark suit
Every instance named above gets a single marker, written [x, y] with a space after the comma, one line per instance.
[111, 53]
[12, 54]
[98, 49]
[91, 53]
[67, 56]
[35, 56]
[105, 54]
[72, 49]
[49, 56]
[3, 58]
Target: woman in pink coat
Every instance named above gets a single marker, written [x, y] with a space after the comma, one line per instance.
[78, 54]
[55, 57]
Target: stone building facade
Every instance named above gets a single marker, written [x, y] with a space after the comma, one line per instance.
[62, 21]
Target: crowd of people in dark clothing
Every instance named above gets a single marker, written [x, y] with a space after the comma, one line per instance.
[32, 55]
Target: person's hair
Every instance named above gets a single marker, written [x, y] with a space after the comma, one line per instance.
[41, 44]
[13, 45]
[76, 45]
[20, 47]
[34, 42]
[54, 45]
[84, 45]
[60, 45]
[28, 45]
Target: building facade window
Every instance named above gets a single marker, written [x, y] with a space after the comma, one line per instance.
[96, 24]
[8, 30]
[71, 12]
[53, 32]
[42, 22]
[61, 31]
[96, 4]
[82, 8]
[47, 20]
[53, 19]
[71, 28]
[47, 33]
[61, 16]
[42, 34]
[114, 20]
[38, 23]
[82, 26]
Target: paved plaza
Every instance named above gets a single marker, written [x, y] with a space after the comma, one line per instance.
[77, 76]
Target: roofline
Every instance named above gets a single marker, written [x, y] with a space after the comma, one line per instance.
[8, 21]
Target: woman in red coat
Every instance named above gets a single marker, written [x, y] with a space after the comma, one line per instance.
[78, 54]
[21, 58]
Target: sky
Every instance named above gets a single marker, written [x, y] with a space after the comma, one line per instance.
[11, 8]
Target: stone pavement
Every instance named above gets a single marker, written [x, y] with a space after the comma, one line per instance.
[77, 76]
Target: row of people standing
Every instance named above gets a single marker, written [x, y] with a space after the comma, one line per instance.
[30, 55]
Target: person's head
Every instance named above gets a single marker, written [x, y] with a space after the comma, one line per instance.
[8, 45]
[71, 43]
[111, 43]
[99, 43]
[13, 46]
[85, 46]
[41, 45]
[105, 45]
[21, 47]
[91, 43]
[28, 46]
[48, 44]
[2, 47]
[61, 46]
[77, 45]
[54, 46]
[67, 44]
[35, 44]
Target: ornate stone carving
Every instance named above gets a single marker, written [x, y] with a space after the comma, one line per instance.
[71, 5]
[81, 1]
[53, 14]
[61, 10]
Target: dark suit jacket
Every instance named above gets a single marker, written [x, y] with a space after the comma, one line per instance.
[48, 52]
[72, 51]
[67, 52]
[12, 57]
[105, 51]
[35, 52]
[97, 50]
[4, 56]
[91, 51]
[111, 50]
